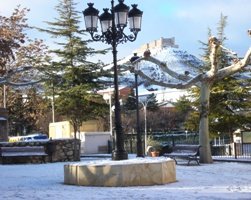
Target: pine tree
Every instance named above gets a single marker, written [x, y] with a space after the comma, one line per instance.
[71, 67]
[73, 51]
[152, 103]
[77, 78]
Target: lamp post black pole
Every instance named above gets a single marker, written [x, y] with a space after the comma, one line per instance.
[139, 138]
[119, 152]
[112, 33]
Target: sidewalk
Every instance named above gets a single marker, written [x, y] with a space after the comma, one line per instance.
[217, 181]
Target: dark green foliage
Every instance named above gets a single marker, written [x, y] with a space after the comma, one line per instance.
[183, 105]
[130, 103]
[25, 111]
[230, 102]
[80, 105]
[188, 112]
[152, 103]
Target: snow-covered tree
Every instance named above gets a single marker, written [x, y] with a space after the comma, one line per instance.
[203, 80]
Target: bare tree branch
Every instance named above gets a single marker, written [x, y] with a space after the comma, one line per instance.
[214, 45]
[189, 81]
[185, 85]
[165, 68]
[10, 73]
[23, 83]
[214, 72]
[235, 67]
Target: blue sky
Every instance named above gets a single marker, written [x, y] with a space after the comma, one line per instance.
[187, 21]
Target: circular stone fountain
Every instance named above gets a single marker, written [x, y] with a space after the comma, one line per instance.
[132, 172]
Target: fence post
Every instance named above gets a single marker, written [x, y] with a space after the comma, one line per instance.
[130, 143]
[235, 150]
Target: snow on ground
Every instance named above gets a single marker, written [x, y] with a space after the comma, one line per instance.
[220, 180]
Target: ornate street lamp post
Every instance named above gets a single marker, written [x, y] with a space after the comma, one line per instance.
[112, 28]
[139, 138]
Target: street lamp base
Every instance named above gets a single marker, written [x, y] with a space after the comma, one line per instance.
[119, 155]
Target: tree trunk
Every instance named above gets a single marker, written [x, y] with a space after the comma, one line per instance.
[205, 150]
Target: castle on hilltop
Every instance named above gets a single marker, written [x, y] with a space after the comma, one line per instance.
[157, 44]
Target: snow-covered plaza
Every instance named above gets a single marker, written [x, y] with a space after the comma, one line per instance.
[220, 180]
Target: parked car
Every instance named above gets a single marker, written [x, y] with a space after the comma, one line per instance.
[35, 136]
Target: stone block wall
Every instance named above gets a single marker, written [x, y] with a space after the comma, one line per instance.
[58, 150]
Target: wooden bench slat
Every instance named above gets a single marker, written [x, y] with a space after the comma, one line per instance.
[190, 152]
[12, 154]
[25, 151]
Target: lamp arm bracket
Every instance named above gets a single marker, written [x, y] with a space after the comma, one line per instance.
[131, 37]
[120, 37]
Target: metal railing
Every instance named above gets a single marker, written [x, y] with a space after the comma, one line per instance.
[232, 151]
[164, 139]
[219, 150]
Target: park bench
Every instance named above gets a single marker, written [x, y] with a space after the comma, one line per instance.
[189, 152]
[21, 152]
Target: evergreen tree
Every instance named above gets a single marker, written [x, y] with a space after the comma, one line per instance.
[72, 52]
[152, 103]
[71, 67]
[76, 76]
